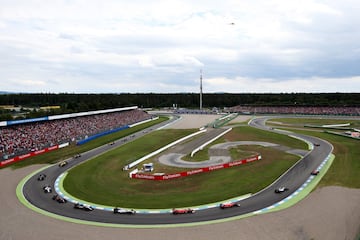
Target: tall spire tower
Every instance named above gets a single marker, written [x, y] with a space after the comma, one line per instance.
[200, 89]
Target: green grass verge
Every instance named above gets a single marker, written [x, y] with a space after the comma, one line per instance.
[109, 185]
[247, 133]
[346, 167]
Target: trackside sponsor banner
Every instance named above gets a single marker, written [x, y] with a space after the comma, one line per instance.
[212, 168]
[171, 176]
[39, 152]
[143, 176]
[253, 159]
[31, 154]
[195, 171]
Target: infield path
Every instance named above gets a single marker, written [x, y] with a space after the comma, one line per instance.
[293, 179]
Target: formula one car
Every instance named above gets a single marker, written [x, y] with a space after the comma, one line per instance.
[41, 177]
[182, 211]
[63, 163]
[47, 189]
[124, 211]
[59, 199]
[315, 172]
[229, 205]
[83, 207]
[317, 144]
[281, 189]
[77, 156]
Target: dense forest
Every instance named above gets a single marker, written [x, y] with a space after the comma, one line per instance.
[86, 102]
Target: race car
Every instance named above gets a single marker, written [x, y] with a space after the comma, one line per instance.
[63, 163]
[41, 177]
[315, 172]
[83, 207]
[124, 211]
[281, 189]
[59, 199]
[182, 211]
[317, 144]
[77, 156]
[47, 189]
[229, 205]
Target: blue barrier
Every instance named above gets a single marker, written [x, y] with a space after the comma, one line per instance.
[22, 121]
[80, 142]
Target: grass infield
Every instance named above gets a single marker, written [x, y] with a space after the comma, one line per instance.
[102, 181]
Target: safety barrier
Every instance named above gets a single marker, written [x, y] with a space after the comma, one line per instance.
[208, 142]
[132, 164]
[88, 139]
[194, 171]
[31, 154]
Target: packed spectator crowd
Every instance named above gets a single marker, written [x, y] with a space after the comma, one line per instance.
[192, 111]
[23, 138]
[348, 111]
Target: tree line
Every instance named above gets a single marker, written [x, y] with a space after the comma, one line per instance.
[71, 102]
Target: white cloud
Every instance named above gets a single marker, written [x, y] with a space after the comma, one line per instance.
[159, 46]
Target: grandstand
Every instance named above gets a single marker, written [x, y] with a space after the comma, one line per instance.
[301, 110]
[22, 137]
[193, 111]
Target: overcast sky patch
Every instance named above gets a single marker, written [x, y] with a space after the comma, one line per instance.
[161, 46]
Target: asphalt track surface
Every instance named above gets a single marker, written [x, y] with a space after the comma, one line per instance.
[292, 179]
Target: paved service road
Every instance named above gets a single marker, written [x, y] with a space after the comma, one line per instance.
[292, 179]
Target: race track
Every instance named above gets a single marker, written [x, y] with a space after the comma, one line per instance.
[293, 179]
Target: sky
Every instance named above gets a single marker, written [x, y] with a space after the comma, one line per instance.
[160, 46]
